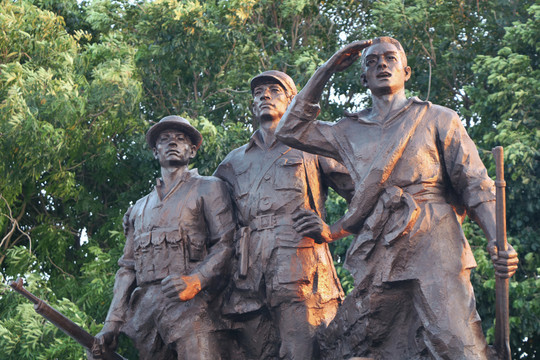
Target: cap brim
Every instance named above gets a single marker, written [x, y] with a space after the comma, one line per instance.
[267, 79]
[156, 129]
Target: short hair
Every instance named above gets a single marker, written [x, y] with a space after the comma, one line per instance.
[384, 39]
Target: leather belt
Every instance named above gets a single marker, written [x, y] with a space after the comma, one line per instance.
[421, 194]
[264, 222]
[431, 197]
[268, 221]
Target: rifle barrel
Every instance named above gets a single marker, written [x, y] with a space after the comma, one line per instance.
[60, 321]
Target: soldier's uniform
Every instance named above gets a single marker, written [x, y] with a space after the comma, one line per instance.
[186, 232]
[288, 275]
[413, 243]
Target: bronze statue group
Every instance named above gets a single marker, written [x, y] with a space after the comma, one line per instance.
[237, 265]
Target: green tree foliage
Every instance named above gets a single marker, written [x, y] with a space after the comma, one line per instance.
[80, 82]
[241, 38]
[510, 88]
[71, 161]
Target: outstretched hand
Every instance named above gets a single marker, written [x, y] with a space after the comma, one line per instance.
[347, 55]
[309, 224]
[504, 262]
[181, 287]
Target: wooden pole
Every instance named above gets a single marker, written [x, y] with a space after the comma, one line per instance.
[502, 325]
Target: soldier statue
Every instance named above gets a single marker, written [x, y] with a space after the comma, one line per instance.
[176, 256]
[285, 285]
[416, 172]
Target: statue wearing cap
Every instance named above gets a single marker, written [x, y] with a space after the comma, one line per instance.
[178, 246]
[284, 285]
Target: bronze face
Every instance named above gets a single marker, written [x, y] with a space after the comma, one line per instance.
[385, 73]
[270, 102]
[173, 148]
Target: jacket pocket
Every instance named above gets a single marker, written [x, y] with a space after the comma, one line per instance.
[289, 174]
[296, 265]
[196, 246]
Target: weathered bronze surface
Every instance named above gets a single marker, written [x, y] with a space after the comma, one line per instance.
[285, 285]
[176, 257]
[416, 174]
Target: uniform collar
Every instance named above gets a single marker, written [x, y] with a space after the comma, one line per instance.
[363, 116]
[184, 178]
[256, 140]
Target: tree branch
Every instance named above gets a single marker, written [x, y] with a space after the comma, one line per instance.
[59, 268]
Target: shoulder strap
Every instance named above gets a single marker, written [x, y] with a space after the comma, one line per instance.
[186, 250]
[190, 190]
[373, 182]
[307, 173]
[346, 153]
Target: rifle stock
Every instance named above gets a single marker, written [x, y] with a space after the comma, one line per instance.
[63, 323]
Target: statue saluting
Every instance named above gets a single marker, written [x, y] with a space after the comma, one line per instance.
[416, 172]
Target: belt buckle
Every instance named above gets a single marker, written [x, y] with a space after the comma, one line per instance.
[265, 222]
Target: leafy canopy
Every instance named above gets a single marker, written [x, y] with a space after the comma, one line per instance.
[81, 82]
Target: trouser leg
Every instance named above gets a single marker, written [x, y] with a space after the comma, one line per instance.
[152, 348]
[199, 346]
[451, 326]
[256, 335]
[389, 323]
[296, 332]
